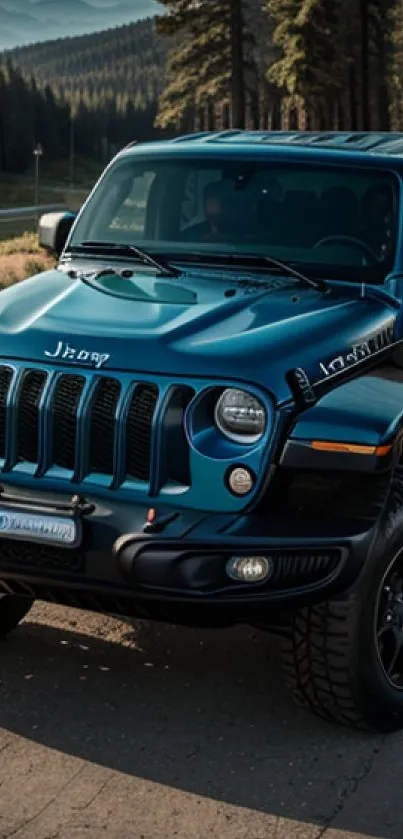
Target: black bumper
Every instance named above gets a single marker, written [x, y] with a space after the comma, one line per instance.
[177, 571]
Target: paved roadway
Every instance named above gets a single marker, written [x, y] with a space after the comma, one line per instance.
[161, 733]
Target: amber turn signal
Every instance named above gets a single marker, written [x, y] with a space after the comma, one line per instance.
[350, 448]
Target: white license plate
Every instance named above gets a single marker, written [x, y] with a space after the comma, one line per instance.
[39, 527]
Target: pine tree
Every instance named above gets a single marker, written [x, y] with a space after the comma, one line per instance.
[310, 65]
[381, 26]
[395, 75]
[333, 59]
[210, 60]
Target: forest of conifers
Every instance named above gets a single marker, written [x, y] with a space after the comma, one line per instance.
[309, 64]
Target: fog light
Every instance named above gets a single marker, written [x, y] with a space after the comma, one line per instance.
[240, 480]
[250, 569]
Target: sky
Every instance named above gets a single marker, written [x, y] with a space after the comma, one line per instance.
[27, 21]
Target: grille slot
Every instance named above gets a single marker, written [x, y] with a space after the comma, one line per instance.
[6, 375]
[66, 399]
[28, 416]
[139, 432]
[177, 448]
[102, 428]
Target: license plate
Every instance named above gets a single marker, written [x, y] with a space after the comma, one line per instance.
[39, 527]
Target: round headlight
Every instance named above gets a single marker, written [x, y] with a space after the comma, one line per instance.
[240, 416]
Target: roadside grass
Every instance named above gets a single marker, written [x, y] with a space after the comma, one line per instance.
[20, 258]
[16, 227]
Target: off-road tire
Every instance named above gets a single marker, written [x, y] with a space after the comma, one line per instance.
[13, 610]
[331, 657]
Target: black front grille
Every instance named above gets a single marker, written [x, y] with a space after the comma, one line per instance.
[66, 400]
[102, 427]
[91, 424]
[139, 432]
[28, 416]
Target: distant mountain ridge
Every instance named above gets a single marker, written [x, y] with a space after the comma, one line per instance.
[116, 68]
[30, 21]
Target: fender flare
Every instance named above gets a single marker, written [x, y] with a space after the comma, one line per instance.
[366, 412]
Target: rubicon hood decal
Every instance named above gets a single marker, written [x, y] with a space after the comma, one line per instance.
[373, 345]
[361, 351]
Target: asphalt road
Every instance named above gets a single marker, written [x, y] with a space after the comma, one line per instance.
[154, 732]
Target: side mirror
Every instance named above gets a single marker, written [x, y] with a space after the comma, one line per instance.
[54, 229]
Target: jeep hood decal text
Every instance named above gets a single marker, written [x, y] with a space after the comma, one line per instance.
[64, 352]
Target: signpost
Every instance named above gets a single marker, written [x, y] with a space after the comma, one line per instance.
[38, 153]
[72, 144]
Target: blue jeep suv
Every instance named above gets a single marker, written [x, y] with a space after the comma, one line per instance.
[201, 406]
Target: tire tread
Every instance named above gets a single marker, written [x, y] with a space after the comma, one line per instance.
[317, 655]
[316, 662]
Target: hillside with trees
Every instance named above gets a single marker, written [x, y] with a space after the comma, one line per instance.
[309, 64]
[99, 91]
[124, 64]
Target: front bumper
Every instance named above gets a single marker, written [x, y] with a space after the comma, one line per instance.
[176, 570]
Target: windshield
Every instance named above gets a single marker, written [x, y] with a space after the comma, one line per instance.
[335, 221]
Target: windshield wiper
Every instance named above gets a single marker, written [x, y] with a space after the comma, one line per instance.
[287, 269]
[283, 268]
[131, 251]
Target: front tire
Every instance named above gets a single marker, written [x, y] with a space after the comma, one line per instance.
[344, 658]
[13, 610]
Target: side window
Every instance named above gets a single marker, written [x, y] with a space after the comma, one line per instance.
[131, 215]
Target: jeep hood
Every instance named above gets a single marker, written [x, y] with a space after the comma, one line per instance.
[210, 328]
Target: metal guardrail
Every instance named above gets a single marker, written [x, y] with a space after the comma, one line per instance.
[29, 212]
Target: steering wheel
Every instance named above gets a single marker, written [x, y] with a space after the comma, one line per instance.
[349, 240]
